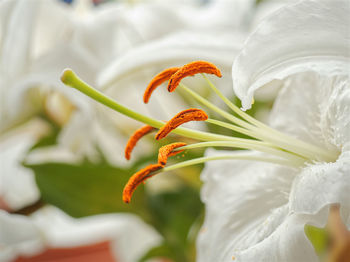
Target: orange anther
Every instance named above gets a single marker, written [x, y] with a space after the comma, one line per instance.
[138, 134]
[158, 80]
[190, 69]
[137, 179]
[167, 151]
[191, 114]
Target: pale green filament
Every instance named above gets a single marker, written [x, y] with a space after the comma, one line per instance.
[267, 134]
[233, 107]
[213, 107]
[262, 135]
[231, 127]
[249, 144]
[200, 160]
[275, 135]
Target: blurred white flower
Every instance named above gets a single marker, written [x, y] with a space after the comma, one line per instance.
[38, 40]
[17, 185]
[127, 237]
[213, 32]
[257, 211]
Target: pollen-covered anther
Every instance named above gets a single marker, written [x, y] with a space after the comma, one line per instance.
[191, 69]
[137, 179]
[138, 134]
[157, 81]
[167, 151]
[191, 114]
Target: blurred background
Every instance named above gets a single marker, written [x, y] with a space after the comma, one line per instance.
[62, 166]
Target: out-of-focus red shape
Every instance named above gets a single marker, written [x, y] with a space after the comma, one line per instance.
[3, 205]
[89, 253]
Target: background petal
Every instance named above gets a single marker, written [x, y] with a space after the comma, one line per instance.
[17, 184]
[176, 49]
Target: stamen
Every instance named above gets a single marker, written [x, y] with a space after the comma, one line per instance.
[137, 179]
[138, 134]
[190, 69]
[167, 151]
[70, 79]
[191, 114]
[157, 81]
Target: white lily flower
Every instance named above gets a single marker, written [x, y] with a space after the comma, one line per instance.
[257, 211]
[127, 237]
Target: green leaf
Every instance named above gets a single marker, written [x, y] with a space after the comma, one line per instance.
[87, 189]
[318, 238]
[162, 251]
[174, 214]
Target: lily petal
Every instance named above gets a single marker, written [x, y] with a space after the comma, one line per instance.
[18, 236]
[17, 187]
[322, 184]
[310, 35]
[287, 243]
[245, 202]
[309, 98]
[15, 49]
[128, 236]
[178, 48]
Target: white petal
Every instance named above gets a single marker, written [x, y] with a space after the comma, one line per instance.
[219, 14]
[15, 50]
[322, 184]
[310, 35]
[53, 27]
[18, 187]
[29, 91]
[315, 109]
[130, 237]
[266, 8]
[176, 49]
[288, 243]
[18, 236]
[245, 202]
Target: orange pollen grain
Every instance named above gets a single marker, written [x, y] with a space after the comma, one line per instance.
[138, 134]
[191, 114]
[191, 69]
[157, 81]
[167, 151]
[137, 179]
